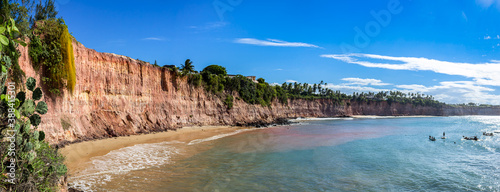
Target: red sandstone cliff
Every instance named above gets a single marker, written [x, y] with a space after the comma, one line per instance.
[116, 95]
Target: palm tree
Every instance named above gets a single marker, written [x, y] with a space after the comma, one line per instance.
[188, 67]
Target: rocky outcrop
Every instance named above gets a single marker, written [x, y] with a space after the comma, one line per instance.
[116, 96]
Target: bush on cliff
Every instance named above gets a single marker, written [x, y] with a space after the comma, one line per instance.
[215, 69]
[51, 50]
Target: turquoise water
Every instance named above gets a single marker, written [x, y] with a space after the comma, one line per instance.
[384, 154]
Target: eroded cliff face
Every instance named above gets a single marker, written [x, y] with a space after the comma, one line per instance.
[116, 96]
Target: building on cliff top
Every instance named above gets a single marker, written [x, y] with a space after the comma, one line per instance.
[249, 77]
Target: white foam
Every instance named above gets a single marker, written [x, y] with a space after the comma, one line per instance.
[319, 119]
[122, 161]
[196, 141]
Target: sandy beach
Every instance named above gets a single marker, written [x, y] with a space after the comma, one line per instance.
[79, 154]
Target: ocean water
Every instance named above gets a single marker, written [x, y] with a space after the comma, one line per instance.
[371, 154]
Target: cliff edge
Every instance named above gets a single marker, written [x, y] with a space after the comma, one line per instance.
[116, 96]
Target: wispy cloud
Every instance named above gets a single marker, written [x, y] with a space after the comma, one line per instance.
[291, 81]
[359, 81]
[273, 42]
[348, 89]
[487, 37]
[278, 69]
[154, 39]
[209, 26]
[483, 73]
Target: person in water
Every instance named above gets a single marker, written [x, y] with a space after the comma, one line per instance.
[443, 134]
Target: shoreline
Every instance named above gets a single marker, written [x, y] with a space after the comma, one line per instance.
[79, 155]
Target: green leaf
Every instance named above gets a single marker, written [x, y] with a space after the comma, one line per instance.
[2, 29]
[30, 83]
[4, 40]
[14, 28]
[21, 96]
[17, 103]
[28, 107]
[21, 42]
[41, 136]
[37, 94]
[16, 113]
[4, 70]
[41, 107]
[28, 146]
[36, 134]
[27, 126]
[31, 156]
[35, 119]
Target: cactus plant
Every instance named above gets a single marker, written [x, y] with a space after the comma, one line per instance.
[31, 83]
[28, 146]
[21, 96]
[36, 135]
[41, 107]
[28, 108]
[37, 94]
[26, 127]
[41, 136]
[35, 119]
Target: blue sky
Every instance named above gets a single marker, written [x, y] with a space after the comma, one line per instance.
[448, 48]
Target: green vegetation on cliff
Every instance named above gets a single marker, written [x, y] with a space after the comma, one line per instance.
[214, 79]
[28, 162]
[51, 51]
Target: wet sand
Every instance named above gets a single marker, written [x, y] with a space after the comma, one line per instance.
[79, 154]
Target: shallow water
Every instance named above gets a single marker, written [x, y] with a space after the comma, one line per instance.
[379, 154]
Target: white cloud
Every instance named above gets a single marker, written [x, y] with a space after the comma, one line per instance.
[273, 84]
[487, 3]
[154, 39]
[483, 73]
[498, 37]
[455, 92]
[273, 42]
[279, 69]
[348, 89]
[291, 81]
[487, 37]
[359, 81]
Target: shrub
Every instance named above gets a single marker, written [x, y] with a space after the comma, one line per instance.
[52, 51]
[229, 101]
[216, 70]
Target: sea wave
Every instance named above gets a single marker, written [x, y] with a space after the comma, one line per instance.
[320, 119]
[122, 161]
[196, 141]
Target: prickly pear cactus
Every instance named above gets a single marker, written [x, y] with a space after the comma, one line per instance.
[31, 83]
[41, 107]
[35, 119]
[28, 108]
[37, 94]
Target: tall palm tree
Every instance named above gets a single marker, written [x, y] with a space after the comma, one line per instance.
[188, 67]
